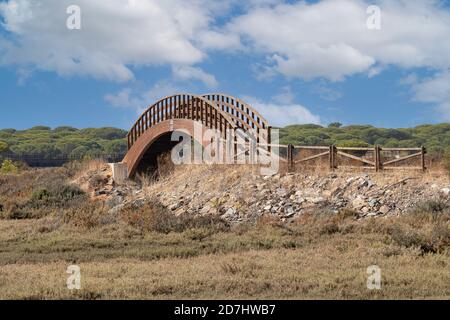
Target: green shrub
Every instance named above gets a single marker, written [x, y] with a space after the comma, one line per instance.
[3, 146]
[57, 193]
[8, 167]
[352, 143]
[42, 194]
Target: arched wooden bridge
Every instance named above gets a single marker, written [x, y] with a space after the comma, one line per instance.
[151, 134]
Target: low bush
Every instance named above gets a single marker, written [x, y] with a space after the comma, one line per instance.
[97, 181]
[155, 217]
[433, 206]
[8, 167]
[35, 194]
[407, 237]
[426, 226]
[56, 195]
[86, 216]
[446, 160]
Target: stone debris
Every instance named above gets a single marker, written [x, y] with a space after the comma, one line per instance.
[236, 195]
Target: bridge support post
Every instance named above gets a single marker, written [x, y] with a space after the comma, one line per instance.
[119, 172]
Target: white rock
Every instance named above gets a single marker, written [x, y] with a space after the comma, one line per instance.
[281, 192]
[204, 210]
[372, 214]
[116, 209]
[289, 210]
[359, 202]
[384, 209]
[317, 200]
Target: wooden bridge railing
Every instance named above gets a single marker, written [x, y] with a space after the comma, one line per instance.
[216, 111]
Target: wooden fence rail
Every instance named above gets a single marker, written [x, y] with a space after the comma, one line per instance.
[376, 162]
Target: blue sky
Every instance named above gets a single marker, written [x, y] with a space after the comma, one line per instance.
[296, 62]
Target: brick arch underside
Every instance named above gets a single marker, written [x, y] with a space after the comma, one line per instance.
[156, 141]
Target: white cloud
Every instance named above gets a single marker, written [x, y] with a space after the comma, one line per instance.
[324, 39]
[329, 38]
[158, 91]
[123, 99]
[409, 80]
[281, 115]
[277, 113]
[191, 73]
[435, 90]
[321, 39]
[218, 40]
[333, 61]
[326, 92]
[139, 100]
[114, 35]
[286, 96]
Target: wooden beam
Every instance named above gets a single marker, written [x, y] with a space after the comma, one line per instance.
[312, 147]
[403, 158]
[313, 157]
[344, 154]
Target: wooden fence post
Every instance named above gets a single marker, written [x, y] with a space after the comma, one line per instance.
[422, 158]
[332, 157]
[377, 158]
[290, 157]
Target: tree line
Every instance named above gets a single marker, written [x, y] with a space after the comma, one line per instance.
[49, 143]
[435, 137]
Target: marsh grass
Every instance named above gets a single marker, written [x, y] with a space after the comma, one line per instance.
[266, 260]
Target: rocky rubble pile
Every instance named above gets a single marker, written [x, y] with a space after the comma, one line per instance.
[237, 195]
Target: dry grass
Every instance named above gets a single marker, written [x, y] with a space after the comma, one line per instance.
[319, 256]
[147, 253]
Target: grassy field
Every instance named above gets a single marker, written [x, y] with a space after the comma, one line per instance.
[320, 258]
[147, 253]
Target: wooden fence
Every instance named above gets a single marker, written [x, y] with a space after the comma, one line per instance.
[376, 158]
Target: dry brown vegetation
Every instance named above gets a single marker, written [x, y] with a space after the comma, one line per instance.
[147, 253]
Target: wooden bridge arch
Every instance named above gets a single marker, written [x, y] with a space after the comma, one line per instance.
[181, 112]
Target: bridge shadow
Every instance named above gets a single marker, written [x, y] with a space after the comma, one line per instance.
[157, 156]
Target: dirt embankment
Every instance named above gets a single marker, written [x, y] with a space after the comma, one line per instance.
[242, 194]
